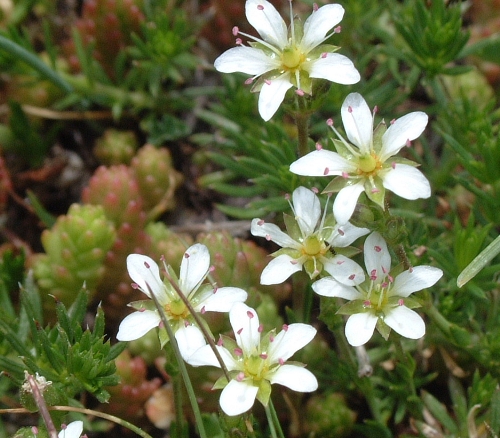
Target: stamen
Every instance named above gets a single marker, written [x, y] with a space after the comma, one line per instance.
[250, 314]
[408, 143]
[299, 92]
[285, 327]
[281, 361]
[340, 262]
[220, 342]
[211, 269]
[186, 255]
[341, 231]
[345, 175]
[393, 121]
[315, 7]
[239, 42]
[240, 376]
[287, 196]
[260, 7]
[249, 81]
[146, 264]
[261, 222]
[267, 81]
[263, 356]
[235, 30]
[134, 285]
[271, 338]
[315, 190]
[294, 262]
[238, 352]
[337, 29]
[239, 331]
[373, 274]
[352, 276]
[367, 303]
[349, 108]
[268, 237]
[324, 55]
[393, 165]
[318, 147]
[203, 310]
[261, 328]
[375, 190]
[401, 302]
[326, 171]
[142, 309]
[377, 248]
[329, 122]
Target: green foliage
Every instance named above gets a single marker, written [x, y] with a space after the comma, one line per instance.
[73, 359]
[433, 35]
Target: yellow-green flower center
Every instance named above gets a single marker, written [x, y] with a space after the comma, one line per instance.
[367, 163]
[256, 367]
[292, 57]
[177, 309]
[313, 246]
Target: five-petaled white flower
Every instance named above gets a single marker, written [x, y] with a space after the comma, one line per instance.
[72, 430]
[368, 164]
[381, 301]
[313, 242]
[203, 298]
[286, 58]
[256, 361]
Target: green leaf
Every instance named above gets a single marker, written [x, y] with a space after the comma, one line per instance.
[438, 410]
[484, 257]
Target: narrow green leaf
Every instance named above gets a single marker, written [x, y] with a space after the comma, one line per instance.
[482, 259]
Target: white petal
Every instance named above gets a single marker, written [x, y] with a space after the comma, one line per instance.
[288, 341]
[204, 356]
[245, 324]
[73, 430]
[189, 339]
[344, 270]
[318, 24]
[407, 182]
[245, 59]
[321, 163]
[267, 21]
[405, 128]
[279, 269]
[272, 232]
[358, 122]
[377, 256]
[329, 287]
[237, 397]
[194, 267]
[333, 67]
[307, 209]
[417, 279]
[272, 94]
[406, 322]
[144, 271]
[359, 328]
[348, 234]
[296, 378]
[222, 300]
[137, 324]
[345, 202]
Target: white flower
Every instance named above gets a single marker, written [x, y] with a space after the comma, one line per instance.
[368, 164]
[286, 58]
[203, 298]
[312, 243]
[255, 362]
[72, 430]
[381, 301]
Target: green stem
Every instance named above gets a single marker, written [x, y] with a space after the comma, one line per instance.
[302, 122]
[276, 419]
[176, 383]
[108, 417]
[182, 367]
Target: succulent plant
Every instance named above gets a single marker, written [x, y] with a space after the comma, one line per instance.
[116, 189]
[157, 179]
[107, 25]
[116, 147]
[75, 250]
[129, 396]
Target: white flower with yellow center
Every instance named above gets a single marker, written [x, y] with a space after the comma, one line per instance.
[286, 58]
[314, 243]
[257, 361]
[203, 298]
[367, 163]
[381, 301]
